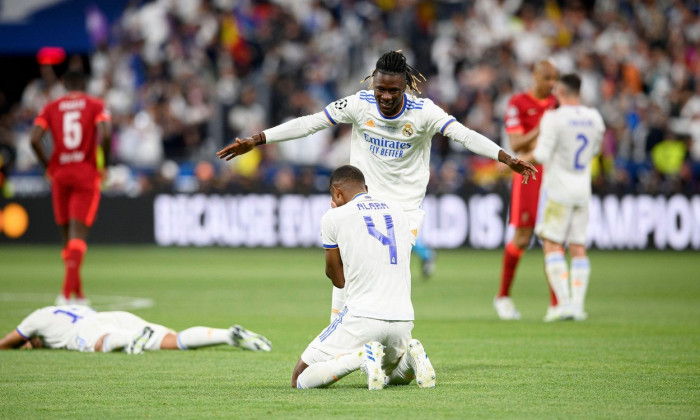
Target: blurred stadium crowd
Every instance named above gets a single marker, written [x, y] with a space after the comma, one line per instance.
[183, 78]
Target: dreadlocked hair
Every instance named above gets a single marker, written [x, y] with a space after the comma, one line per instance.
[394, 62]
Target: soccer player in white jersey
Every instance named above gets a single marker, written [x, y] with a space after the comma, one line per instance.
[391, 136]
[368, 249]
[570, 137]
[81, 328]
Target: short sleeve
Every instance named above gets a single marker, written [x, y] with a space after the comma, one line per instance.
[102, 114]
[513, 122]
[343, 110]
[41, 119]
[329, 231]
[439, 120]
[29, 327]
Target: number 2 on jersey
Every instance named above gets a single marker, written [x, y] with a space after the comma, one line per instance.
[72, 130]
[387, 240]
[584, 142]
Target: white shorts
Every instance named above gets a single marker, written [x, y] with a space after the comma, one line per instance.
[415, 221]
[349, 333]
[93, 328]
[562, 223]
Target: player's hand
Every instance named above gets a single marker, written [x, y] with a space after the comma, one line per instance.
[526, 169]
[239, 147]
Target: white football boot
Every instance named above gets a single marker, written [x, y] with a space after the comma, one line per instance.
[372, 356]
[138, 343]
[248, 340]
[425, 374]
[506, 308]
[558, 313]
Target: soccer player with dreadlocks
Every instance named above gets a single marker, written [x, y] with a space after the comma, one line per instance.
[391, 136]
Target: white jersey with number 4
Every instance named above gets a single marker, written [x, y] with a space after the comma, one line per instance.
[570, 137]
[374, 240]
[57, 325]
[393, 152]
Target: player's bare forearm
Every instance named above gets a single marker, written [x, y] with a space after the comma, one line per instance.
[334, 267]
[104, 130]
[12, 340]
[241, 146]
[526, 169]
[35, 138]
[521, 142]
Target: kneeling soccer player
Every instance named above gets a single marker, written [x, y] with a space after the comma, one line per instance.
[368, 248]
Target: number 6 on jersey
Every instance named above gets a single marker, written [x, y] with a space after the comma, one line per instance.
[387, 240]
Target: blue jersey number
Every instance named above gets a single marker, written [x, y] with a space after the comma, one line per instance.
[75, 317]
[387, 240]
[584, 142]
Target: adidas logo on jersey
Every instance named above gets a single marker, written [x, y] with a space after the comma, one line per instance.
[369, 123]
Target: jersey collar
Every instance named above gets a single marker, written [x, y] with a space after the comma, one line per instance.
[358, 195]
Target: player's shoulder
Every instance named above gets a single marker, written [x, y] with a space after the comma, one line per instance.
[418, 103]
[518, 98]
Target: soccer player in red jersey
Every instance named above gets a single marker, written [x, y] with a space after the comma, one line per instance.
[77, 121]
[522, 121]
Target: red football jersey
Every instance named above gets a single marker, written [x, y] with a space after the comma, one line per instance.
[72, 120]
[525, 111]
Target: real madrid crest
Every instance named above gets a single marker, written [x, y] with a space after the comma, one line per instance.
[408, 130]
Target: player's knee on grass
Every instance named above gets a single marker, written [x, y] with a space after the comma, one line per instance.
[298, 369]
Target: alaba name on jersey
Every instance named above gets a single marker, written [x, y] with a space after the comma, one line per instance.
[570, 137]
[375, 244]
[57, 325]
[392, 152]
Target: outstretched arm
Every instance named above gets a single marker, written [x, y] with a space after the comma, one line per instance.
[481, 145]
[526, 169]
[241, 146]
[12, 340]
[292, 129]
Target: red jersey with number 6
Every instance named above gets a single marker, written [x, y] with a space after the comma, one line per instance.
[72, 120]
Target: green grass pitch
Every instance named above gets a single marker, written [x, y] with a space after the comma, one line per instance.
[638, 355]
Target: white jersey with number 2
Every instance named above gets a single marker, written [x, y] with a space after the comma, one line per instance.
[393, 152]
[374, 240]
[570, 137]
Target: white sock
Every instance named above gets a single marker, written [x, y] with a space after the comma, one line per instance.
[403, 373]
[116, 340]
[327, 373]
[580, 272]
[337, 302]
[194, 337]
[558, 276]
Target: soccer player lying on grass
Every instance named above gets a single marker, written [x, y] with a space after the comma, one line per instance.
[368, 248]
[81, 328]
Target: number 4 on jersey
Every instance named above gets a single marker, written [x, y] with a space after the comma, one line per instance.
[387, 240]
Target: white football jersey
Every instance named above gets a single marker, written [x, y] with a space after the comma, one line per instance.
[57, 325]
[570, 137]
[375, 245]
[392, 152]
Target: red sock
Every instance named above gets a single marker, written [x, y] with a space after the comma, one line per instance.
[511, 258]
[67, 286]
[552, 296]
[75, 251]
